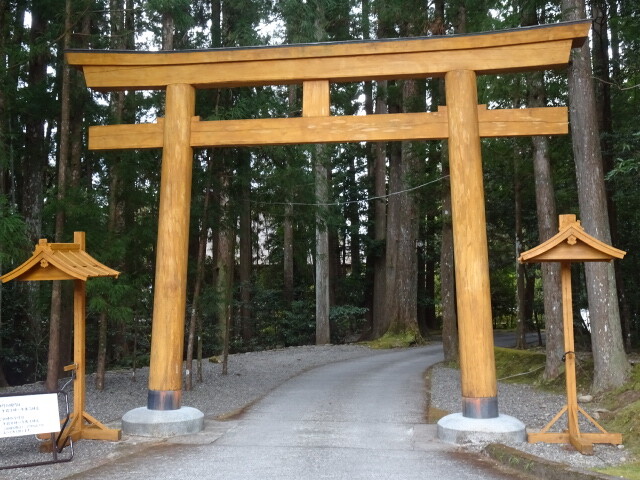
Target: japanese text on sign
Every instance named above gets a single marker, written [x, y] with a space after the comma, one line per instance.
[29, 414]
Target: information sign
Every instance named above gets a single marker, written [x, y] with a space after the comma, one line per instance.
[29, 415]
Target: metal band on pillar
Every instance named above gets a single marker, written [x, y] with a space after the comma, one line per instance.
[164, 399]
[479, 407]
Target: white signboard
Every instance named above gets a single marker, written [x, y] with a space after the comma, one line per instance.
[29, 415]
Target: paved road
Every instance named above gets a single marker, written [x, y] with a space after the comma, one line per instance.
[507, 339]
[361, 419]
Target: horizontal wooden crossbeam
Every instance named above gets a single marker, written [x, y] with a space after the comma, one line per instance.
[533, 48]
[336, 129]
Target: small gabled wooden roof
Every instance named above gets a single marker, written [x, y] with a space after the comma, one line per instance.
[59, 261]
[571, 243]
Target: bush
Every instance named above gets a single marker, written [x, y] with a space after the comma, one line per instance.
[346, 322]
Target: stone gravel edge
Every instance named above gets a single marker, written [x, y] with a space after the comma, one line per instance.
[538, 467]
[530, 465]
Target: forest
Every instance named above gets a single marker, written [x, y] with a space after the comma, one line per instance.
[378, 216]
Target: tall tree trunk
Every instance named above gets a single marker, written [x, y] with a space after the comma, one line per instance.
[195, 302]
[610, 361]
[34, 162]
[447, 271]
[521, 341]
[370, 259]
[224, 267]
[402, 234]
[603, 80]
[379, 319]
[246, 259]
[168, 29]
[447, 265]
[53, 365]
[287, 253]
[115, 186]
[430, 248]
[616, 62]
[323, 329]
[614, 41]
[547, 228]
[4, 38]
[79, 98]
[4, 32]
[427, 320]
[11, 33]
[334, 248]
[353, 215]
[547, 222]
[115, 218]
[391, 246]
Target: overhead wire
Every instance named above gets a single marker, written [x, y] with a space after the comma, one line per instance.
[349, 202]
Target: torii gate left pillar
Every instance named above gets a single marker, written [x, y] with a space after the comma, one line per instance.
[458, 58]
[164, 414]
[473, 296]
[170, 296]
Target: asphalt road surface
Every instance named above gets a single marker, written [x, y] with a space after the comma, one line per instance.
[360, 419]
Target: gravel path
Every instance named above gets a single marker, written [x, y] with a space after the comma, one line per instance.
[253, 375]
[250, 377]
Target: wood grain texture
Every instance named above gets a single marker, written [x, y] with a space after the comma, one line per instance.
[116, 137]
[513, 50]
[173, 235]
[475, 327]
[315, 99]
[352, 68]
[569, 351]
[332, 129]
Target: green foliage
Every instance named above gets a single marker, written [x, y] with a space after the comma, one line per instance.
[346, 322]
[278, 327]
[630, 471]
[13, 237]
[114, 196]
[179, 10]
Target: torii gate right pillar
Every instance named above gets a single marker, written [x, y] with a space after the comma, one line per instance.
[479, 419]
[475, 331]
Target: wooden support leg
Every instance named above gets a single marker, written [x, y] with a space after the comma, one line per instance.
[477, 361]
[169, 304]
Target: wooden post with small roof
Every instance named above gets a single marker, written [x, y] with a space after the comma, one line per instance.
[572, 244]
[70, 261]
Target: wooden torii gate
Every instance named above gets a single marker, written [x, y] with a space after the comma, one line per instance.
[459, 59]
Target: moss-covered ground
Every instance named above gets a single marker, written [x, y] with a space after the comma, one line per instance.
[396, 340]
[519, 366]
[623, 416]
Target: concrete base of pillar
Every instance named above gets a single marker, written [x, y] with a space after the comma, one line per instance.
[460, 430]
[162, 423]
